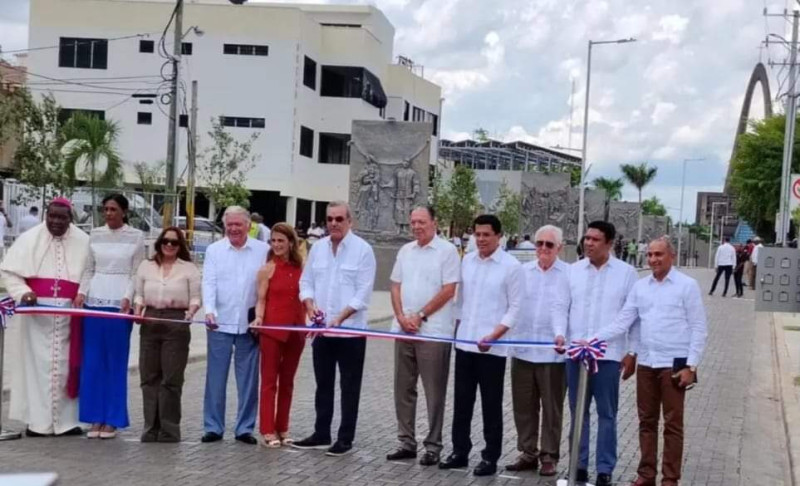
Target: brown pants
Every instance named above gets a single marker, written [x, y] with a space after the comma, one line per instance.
[535, 388]
[163, 353]
[655, 389]
[431, 361]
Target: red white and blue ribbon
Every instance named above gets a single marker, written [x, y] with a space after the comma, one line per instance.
[7, 308]
[588, 353]
[317, 327]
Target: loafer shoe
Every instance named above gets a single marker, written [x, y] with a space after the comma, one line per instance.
[430, 458]
[247, 439]
[548, 469]
[604, 479]
[311, 442]
[485, 468]
[523, 464]
[339, 449]
[401, 454]
[454, 461]
[210, 437]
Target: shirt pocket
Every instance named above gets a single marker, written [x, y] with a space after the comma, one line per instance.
[348, 275]
[670, 311]
[319, 270]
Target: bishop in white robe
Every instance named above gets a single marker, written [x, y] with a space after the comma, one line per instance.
[44, 266]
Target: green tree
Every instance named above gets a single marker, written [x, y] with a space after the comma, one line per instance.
[89, 143]
[574, 176]
[612, 189]
[13, 108]
[38, 161]
[149, 175]
[223, 168]
[456, 201]
[480, 134]
[509, 209]
[653, 207]
[756, 173]
[439, 199]
[639, 176]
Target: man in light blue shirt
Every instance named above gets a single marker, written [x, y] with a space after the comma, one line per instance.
[229, 293]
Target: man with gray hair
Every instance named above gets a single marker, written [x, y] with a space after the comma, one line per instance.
[538, 377]
[337, 281]
[229, 296]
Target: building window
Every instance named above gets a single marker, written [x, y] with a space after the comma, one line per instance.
[147, 46]
[144, 118]
[352, 82]
[186, 48]
[310, 73]
[245, 50]
[242, 122]
[75, 52]
[64, 114]
[183, 121]
[334, 148]
[418, 114]
[435, 121]
[406, 110]
[306, 142]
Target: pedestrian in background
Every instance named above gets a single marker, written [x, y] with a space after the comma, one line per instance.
[724, 260]
[30, 220]
[741, 259]
[167, 287]
[107, 285]
[279, 304]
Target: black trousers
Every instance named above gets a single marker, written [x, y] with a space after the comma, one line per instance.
[737, 279]
[348, 354]
[487, 372]
[727, 269]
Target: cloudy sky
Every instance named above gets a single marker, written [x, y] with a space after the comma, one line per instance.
[507, 66]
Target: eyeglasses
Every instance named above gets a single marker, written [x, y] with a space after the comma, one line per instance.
[170, 242]
[338, 219]
[547, 244]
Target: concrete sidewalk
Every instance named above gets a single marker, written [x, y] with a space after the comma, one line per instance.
[785, 331]
[379, 314]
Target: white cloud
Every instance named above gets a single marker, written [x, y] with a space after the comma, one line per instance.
[662, 112]
[671, 28]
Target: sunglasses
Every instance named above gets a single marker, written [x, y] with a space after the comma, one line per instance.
[170, 242]
[338, 219]
[547, 244]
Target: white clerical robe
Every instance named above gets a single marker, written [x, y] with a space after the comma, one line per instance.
[38, 381]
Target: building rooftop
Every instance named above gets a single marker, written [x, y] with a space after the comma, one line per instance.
[496, 155]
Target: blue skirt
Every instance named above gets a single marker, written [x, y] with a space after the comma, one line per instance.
[103, 395]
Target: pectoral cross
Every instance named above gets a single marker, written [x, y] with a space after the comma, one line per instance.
[56, 289]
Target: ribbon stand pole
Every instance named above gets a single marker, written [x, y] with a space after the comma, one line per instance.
[575, 446]
[4, 434]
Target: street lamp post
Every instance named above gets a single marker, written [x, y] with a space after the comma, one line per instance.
[582, 186]
[711, 226]
[680, 215]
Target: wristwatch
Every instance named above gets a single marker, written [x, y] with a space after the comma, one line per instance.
[422, 316]
[632, 354]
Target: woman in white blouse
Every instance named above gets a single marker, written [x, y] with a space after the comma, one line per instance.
[107, 284]
[167, 287]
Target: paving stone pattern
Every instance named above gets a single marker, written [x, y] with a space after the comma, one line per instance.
[734, 434]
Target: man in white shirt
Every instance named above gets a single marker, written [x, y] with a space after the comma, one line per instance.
[724, 260]
[424, 280]
[490, 296]
[30, 220]
[538, 379]
[229, 296]
[599, 285]
[669, 307]
[754, 261]
[337, 280]
[526, 243]
[642, 251]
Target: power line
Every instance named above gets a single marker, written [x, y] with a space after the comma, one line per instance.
[78, 41]
[66, 81]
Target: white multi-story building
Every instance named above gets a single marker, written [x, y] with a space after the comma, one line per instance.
[297, 75]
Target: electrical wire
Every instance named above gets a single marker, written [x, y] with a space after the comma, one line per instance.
[30, 49]
[66, 81]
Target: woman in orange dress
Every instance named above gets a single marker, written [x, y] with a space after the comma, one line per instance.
[279, 304]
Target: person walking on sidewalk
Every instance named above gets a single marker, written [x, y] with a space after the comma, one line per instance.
[229, 295]
[167, 287]
[538, 379]
[107, 285]
[337, 281]
[738, 271]
[489, 301]
[598, 287]
[724, 260]
[424, 280]
[669, 307]
[279, 304]
[754, 260]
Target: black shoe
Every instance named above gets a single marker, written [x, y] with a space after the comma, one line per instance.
[523, 464]
[247, 439]
[312, 442]
[582, 476]
[485, 468]
[454, 461]
[430, 458]
[149, 437]
[210, 437]
[72, 431]
[401, 454]
[30, 433]
[339, 449]
[604, 480]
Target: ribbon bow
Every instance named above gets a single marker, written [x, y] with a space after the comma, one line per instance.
[7, 309]
[589, 353]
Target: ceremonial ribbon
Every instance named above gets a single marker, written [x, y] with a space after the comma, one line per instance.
[317, 327]
[588, 353]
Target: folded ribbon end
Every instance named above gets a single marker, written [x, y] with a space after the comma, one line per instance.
[588, 353]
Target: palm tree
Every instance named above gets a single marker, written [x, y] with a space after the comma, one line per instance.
[639, 176]
[91, 142]
[612, 189]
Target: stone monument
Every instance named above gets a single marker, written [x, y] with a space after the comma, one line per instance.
[388, 177]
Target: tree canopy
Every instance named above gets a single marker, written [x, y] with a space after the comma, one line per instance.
[456, 200]
[612, 189]
[653, 207]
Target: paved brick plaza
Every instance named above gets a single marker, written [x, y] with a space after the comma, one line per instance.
[734, 434]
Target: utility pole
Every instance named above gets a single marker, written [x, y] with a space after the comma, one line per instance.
[788, 139]
[172, 135]
[680, 216]
[192, 165]
[571, 112]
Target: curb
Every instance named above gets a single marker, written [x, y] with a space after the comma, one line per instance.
[790, 406]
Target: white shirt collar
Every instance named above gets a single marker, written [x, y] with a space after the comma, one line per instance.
[229, 245]
[496, 256]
